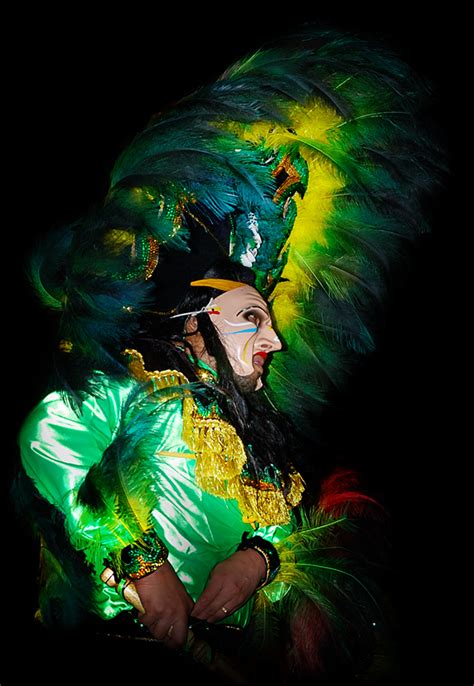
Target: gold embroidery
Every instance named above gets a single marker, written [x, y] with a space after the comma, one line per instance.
[220, 455]
[164, 379]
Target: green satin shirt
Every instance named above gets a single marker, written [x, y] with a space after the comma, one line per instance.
[58, 448]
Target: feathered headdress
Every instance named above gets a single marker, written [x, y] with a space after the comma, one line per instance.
[304, 161]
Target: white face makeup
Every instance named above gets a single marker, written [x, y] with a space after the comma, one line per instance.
[244, 324]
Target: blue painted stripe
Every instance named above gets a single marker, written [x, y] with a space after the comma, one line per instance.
[231, 333]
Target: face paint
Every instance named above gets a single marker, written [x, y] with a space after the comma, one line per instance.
[244, 324]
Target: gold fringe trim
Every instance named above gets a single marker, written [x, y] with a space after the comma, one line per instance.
[297, 488]
[168, 378]
[220, 456]
[164, 379]
[270, 502]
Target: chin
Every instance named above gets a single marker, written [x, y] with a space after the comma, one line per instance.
[250, 383]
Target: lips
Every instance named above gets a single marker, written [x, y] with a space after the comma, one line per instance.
[259, 358]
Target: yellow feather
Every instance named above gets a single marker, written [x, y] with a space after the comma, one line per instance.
[319, 123]
[315, 121]
[116, 240]
[285, 307]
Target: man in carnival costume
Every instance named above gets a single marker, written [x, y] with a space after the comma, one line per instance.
[229, 283]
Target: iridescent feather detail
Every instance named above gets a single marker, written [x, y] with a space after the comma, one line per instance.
[326, 583]
[305, 161]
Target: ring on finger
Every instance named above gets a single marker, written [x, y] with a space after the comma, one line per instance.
[225, 610]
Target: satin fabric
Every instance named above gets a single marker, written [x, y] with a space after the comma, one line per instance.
[58, 448]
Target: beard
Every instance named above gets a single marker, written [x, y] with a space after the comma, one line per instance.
[247, 384]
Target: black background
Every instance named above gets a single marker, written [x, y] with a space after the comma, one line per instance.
[81, 86]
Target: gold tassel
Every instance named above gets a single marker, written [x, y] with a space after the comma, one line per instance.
[265, 506]
[297, 488]
[221, 457]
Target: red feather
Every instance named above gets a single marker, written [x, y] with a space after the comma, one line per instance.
[340, 495]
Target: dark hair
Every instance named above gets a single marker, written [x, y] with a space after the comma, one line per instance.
[267, 435]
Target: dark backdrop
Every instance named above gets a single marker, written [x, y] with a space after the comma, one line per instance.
[79, 92]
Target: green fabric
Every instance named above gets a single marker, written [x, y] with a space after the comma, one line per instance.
[58, 449]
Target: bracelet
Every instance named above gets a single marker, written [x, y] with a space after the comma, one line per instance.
[267, 551]
[139, 559]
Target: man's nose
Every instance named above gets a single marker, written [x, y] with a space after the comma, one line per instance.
[268, 340]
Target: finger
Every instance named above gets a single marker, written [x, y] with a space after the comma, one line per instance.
[222, 605]
[158, 627]
[229, 597]
[157, 624]
[176, 635]
[225, 610]
[213, 608]
[207, 599]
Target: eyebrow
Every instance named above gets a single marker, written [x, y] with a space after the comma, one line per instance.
[252, 307]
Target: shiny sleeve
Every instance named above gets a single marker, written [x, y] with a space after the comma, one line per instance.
[58, 448]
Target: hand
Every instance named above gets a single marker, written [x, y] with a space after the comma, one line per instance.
[167, 606]
[231, 583]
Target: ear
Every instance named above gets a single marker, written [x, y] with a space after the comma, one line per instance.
[191, 325]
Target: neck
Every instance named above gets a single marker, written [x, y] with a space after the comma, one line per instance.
[200, 351]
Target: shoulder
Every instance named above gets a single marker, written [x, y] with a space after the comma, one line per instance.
[101, 408]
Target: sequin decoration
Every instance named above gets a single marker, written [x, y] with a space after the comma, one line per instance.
[139, 559]
[142, 253]
[220, 454]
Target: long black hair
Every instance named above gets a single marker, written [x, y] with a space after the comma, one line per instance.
[268, 436]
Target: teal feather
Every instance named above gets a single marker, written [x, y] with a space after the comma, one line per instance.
[192, 162]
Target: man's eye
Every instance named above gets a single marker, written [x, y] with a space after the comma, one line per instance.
[251, 317]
